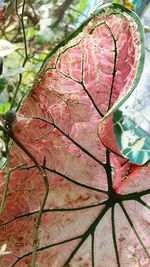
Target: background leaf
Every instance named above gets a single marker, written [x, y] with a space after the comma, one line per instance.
[6, 48]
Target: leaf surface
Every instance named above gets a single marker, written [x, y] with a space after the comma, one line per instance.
[6, 48]
[87, 219]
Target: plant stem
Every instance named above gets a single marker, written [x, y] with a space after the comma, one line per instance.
[6, 183]
[25, 49]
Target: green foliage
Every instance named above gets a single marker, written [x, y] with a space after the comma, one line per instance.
[4, 108]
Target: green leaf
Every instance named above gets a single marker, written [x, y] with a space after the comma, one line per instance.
[4, 108]
[116, 1]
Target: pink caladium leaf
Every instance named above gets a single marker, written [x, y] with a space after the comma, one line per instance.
[97, 209]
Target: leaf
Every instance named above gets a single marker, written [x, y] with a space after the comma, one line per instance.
[6, 48]
[131, 126]
[14, 72]
[97, 209]
[4, 108]
[4, 96]
[133, 141]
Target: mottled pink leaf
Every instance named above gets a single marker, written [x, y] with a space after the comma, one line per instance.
[97, 209]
